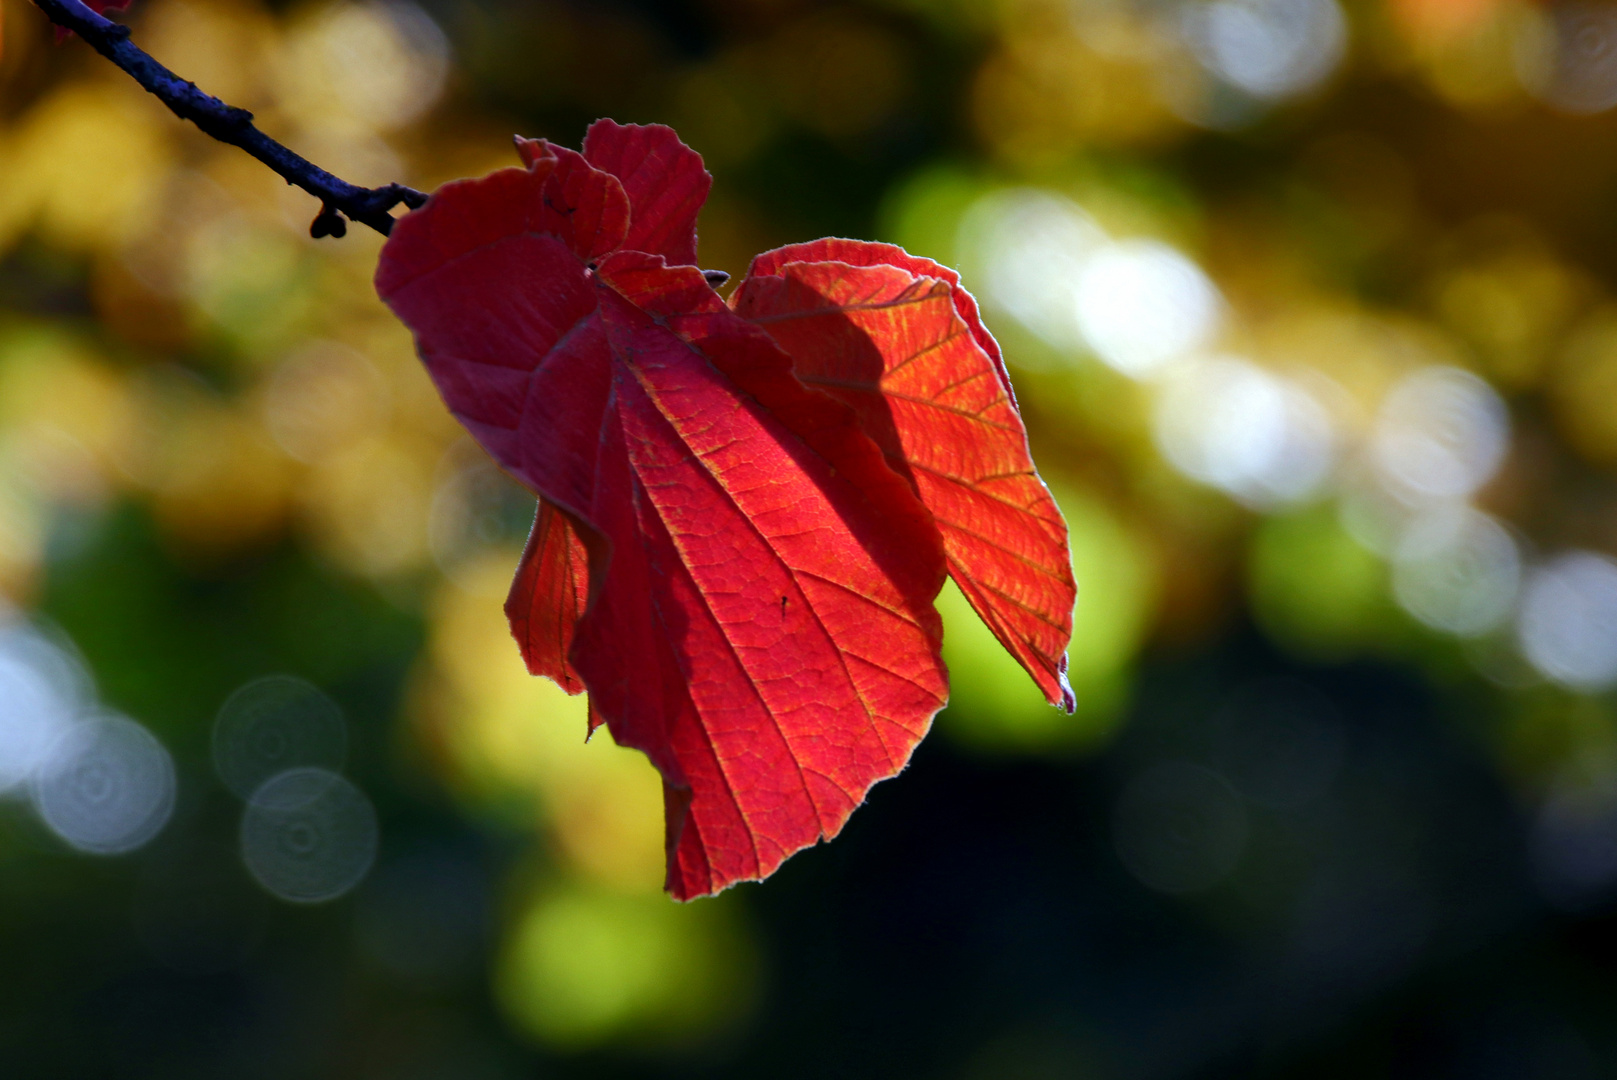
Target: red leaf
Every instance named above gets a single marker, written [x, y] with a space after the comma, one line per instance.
[664, 180]
[865, 253]
[549, 595]
[759, 618]
[897, 338]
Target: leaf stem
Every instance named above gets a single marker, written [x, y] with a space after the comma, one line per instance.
[228, 124]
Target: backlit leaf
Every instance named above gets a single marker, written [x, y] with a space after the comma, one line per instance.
[548, 596]
[759, 617]
[899, 340]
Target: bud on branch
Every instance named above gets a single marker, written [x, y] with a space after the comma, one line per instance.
[340, 201]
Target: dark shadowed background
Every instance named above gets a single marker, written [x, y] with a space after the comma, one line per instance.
[1309, 305]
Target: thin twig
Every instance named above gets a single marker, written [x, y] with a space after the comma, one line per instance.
[228, 124]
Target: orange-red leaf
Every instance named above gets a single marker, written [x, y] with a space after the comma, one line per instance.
[866, 253]
[548, 596]
[665, 183]
[899, 340]
[759, 616]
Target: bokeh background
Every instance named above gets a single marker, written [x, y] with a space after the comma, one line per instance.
[1310, 309]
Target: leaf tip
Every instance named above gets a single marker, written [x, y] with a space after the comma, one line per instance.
[532, 151]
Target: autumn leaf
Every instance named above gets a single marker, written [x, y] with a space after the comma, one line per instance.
[549, 596]
[740, 532]
[897, 338]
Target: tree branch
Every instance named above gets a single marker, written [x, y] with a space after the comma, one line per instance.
[228, 124]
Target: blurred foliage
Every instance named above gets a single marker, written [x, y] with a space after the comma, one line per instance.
[1310, 310]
